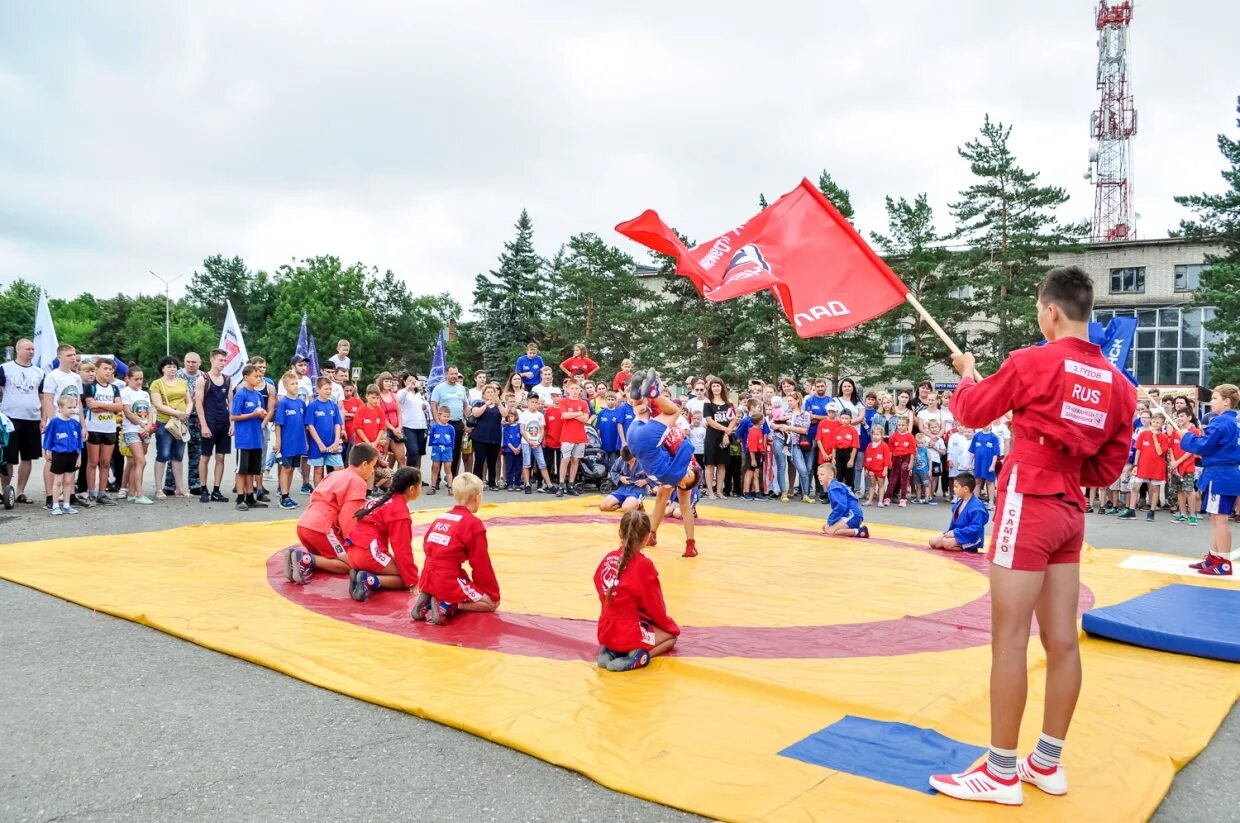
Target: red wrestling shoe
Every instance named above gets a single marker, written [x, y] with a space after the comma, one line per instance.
[690, 548]
[1219, 567]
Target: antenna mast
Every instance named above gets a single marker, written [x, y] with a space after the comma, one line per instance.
[1112, 126]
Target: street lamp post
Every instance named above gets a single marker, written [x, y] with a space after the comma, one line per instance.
[167, 308]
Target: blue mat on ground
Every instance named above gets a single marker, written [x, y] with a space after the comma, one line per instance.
[1196, 620]
[894, 753]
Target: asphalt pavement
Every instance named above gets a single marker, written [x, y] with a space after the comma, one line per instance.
[102, 719]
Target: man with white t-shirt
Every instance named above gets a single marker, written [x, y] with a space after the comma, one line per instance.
[544, 389]
[19, 401]
[697, 399]
[59, 382]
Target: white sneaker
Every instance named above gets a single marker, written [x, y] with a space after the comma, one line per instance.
[1054, 782]
[979, 784]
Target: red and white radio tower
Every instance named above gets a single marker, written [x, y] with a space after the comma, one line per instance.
[1112, 127]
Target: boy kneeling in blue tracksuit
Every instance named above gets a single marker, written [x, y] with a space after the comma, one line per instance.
[845, 519]
[967, 532]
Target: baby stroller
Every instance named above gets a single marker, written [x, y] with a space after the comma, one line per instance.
[593, 469]
[7, 493]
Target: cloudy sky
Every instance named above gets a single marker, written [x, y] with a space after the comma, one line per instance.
[147, 136]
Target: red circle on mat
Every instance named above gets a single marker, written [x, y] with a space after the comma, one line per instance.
[563, 638]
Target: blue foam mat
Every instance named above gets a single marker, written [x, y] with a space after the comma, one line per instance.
[1195, 620]
[894, 753]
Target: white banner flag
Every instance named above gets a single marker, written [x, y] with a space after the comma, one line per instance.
[231, 342]
[45, 342]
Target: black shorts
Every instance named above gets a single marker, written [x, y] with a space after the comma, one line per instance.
[755, 462]
[219, 442]
[25, 442]
[101, 438]
[65, 462]
[249, 461]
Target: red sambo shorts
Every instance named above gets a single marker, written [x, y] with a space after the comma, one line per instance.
[327, 545]
[1032, 532]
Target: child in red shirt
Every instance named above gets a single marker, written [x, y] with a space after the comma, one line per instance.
[328, 519]
[847, 439]
[1151, 466]
[380, 548]
[370, 423]
[579, 365]
[351, 405]
[877, 464]
[553, 426]
[573, 414]
[634, 625]
[755, 451]
[455, 538]
[1182, 474]
[620, 382]
[903, 449]
[1073, 417]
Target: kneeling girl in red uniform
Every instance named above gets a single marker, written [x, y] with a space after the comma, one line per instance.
[328, 519]
[380, 549]
[634, 625]
[455, 538]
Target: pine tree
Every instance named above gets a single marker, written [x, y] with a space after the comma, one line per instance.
[510, 299]
[1009, 222]
[914, 250]
[1218, 218]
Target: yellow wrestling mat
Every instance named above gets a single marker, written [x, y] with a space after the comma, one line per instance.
[813, 678]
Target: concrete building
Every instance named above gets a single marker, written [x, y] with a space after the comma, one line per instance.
[1153, 280]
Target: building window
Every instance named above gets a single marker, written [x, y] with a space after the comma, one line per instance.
[1188, 277]
[1171, 346]
[897, 346]
[1130, 280]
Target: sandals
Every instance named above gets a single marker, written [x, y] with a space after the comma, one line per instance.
[21, 498]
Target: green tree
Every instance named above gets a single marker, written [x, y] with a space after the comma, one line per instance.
[914, 250]
[253, 294]
[1010, 224]
[1218, 218]
[18, 303]
[511, 299]
[334, 298]
[405, 326]
[596, 299]
[837, 194]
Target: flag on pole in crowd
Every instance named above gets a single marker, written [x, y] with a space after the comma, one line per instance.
[1115, 340]
[303, 341]
[45, 342]
[823, 274]
[439, 362]
[232, 342]
[312, 358]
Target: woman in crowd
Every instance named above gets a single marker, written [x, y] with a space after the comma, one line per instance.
[170, 397]
[393, 424]
[488, 433]
[848, 400]
[414, 418]
[514, 394]
[934, 411]
[904, 408]
[799, 445]
[721, 421]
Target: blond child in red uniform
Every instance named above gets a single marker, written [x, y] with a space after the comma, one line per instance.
[328, 519]
[1071, 426]
[903, 450]
[1151, 468]
[634, 625]
[380, 548]
[877, 463]
[455, 538]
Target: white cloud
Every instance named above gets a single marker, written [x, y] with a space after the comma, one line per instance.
[409, 136]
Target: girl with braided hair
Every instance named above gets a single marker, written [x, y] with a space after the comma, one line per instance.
[634, 625]
[380, 547]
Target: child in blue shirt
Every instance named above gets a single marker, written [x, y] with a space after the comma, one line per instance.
[607, 423]
[624, 416]
[630, 485]
[846, 518]
[440, 440]
[248, 410]
[62, 449]
[985, 448]
[530, 366]
[921, 471]
[324, 431]
[512, 453]
[967, 531]
[291, 444]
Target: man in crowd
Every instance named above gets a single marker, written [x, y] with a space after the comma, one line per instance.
[451, 394]
[60, 381]
[19, 401]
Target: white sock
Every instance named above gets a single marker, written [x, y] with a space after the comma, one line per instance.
[1002, 763]
[1046, 755]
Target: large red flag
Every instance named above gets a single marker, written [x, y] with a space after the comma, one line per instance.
[824, 275]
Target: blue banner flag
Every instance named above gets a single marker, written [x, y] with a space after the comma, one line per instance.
[312, 356]
[303, 342]
[439, 363]
[1116, 342]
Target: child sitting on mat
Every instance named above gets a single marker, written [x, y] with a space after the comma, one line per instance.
[1219, 447]
[846, 518]
[455, 538]
[674, 511]
[328, 518]
[630, 482]
[634, 624]
[967, 531]
[380, 549]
